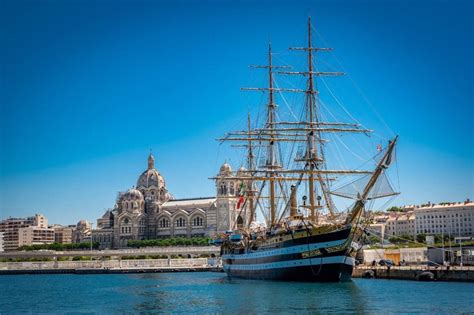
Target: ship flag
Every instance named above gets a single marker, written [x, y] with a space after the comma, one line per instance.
[241, 196]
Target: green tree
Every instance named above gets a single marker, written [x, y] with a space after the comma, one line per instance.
[394, 209]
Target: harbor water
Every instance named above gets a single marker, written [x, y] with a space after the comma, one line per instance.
[211, 292]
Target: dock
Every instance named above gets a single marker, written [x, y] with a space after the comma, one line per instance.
[419, 273]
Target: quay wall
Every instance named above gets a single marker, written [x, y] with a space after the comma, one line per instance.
[169, 250]
[108, 266]
[465, 274]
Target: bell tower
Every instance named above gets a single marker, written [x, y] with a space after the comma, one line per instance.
[226, 199]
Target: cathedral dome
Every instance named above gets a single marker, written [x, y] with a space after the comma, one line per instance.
[150, 177]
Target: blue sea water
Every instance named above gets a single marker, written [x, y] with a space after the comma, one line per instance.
[208, 292]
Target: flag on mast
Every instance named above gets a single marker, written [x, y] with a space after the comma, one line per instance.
[241, 196]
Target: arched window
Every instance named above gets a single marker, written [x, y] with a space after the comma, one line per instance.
[180, 222]
[232, 188]
[198, 221]
[164, 223]
[125, 226]
[240, 221]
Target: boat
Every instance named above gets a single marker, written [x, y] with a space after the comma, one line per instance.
[305, 238]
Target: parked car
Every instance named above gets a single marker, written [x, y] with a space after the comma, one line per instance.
[385, 262]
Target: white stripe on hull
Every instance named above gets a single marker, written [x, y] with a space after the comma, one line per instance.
[285, 250]
[294, 263]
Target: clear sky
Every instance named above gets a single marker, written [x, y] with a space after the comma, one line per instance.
[89, 87]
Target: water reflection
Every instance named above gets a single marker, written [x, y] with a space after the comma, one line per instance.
[214, 292]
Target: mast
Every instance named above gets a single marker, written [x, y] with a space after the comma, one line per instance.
[271, 161]
[314, 158]
[311, 150]
[250, 166]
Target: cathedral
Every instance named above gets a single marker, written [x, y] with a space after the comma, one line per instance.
[149, 211]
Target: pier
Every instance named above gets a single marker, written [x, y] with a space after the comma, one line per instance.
[420, 273]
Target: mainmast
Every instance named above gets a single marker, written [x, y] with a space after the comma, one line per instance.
[314, 158]
[311, 153]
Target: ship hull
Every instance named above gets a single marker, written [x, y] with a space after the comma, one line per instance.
[326, 257]
[316, 272]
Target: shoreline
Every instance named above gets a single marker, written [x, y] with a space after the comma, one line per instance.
[413, 273]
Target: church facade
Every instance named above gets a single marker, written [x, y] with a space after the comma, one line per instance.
[149, 211]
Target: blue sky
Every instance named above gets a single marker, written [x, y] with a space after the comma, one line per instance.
[88, 87]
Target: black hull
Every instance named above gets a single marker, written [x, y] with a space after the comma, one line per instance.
[316, 273]
[324, 257]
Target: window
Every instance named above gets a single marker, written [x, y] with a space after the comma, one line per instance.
[240, 221]
[198, 221]
[164, 223]
[180, 222]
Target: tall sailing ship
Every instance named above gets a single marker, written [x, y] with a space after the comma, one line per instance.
[305, 237]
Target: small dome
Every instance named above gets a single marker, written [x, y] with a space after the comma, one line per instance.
[225, 168]
[242, 171]
[132, 194]
[83, 224]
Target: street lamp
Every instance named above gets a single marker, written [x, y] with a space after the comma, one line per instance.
[91, 238]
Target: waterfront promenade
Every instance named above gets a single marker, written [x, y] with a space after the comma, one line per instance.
[130, 260]
[149, 251]
[108, 266]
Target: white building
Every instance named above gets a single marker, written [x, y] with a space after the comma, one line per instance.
[454, 219]
[34, 235]
[11, 226]
[378, 229]
[400, 223]
[1, 241]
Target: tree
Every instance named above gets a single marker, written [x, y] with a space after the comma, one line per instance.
[394, 209]
[394, 240]
[421, 238]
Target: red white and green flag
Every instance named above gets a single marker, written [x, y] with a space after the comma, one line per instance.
[241, 196]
